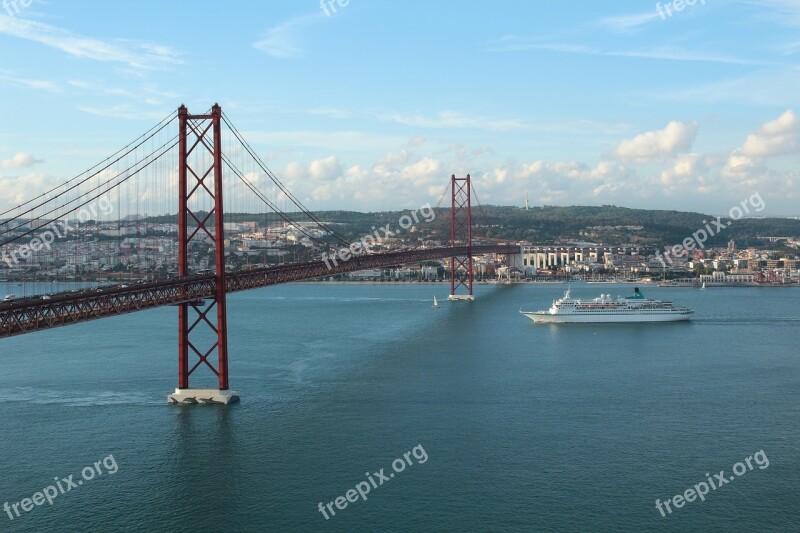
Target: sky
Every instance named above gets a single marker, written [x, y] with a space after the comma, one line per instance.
[371, 105]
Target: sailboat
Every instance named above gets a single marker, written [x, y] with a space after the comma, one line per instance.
[435, 303]
[703, 287]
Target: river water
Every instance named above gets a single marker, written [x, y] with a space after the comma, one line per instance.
[504, 425]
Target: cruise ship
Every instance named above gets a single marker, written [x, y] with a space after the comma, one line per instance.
[634, 308]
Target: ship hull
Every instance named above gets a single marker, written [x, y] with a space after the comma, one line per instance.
[547, 318]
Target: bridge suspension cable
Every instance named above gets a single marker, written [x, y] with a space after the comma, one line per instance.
[110, 160]
[85, 201]
[303, 209]
[259, 194]
[481, 213]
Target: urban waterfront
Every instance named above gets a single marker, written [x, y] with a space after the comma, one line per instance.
[524, 427]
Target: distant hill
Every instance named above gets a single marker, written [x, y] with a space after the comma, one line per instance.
[612, 224]
[551, 224]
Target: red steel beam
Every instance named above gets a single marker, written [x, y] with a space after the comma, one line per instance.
[33, 314]
[201, 128]
[461, 223]
[453, 233]
[219, 238]
[183, 268]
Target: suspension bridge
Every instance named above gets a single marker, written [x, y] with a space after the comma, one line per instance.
[153, 174]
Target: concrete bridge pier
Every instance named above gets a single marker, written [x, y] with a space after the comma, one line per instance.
[202, 396]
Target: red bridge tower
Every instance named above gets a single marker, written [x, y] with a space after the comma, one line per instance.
[461, 235]
[200, 184]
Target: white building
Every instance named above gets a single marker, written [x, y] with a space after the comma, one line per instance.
[722, 277]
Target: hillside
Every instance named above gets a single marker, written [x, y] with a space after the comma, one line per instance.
[552, 224]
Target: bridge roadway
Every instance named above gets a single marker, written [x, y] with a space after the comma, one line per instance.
[63, 309]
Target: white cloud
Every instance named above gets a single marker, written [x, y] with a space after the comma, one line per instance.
[671, 53]
[690, 173]
[764, 88]
[322, 193]
[464, 153]
[543, 169]
[149, 93]
[324, 169]
[283, 41]
[786, 12]
[137, 55]
[98, 88]
[394, 158]
[423, 172]
[405, 179]
[16, 190]
[511, 43]
[21, 160]
[404, 174]
[777, 137]
[333, 141]
[123, 111]
[514, 45]
[330, 112]
[658, 145]
[745, 166]
[626, 23]
[454, 119]
[395, 179]
[547, 183]
[10, 78]
[739, 167]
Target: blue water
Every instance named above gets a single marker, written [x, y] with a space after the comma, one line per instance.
[525, 427]
[35, 288]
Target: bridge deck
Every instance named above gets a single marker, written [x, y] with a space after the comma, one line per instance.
[63, 309]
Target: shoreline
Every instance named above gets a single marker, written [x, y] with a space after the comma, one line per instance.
[659, 285]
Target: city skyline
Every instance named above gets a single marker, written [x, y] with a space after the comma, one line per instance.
[633, 105]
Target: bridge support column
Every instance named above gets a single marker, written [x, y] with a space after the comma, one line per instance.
[461, 272]
[200, 139]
